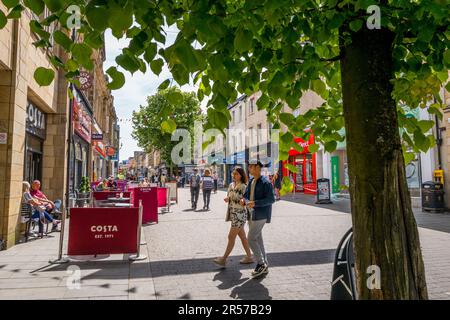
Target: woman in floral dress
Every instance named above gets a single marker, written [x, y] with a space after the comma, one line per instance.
[237, 214]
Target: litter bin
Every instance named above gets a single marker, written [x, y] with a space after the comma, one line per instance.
[433, 196]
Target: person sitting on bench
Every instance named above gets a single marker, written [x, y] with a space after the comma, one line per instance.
[39, 209]
[51, 207]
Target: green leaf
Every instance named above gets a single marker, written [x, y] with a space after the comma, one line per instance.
[175, 98]
[10, 3]
[150, 52]
[62, 39]
[263, 101]
[293, 100]
[356, 25]
[56, 62]
[37, 28]
[313, 148]
[421, 141]
[37, 6]
[330, 146]
[446, 57]
[128, 62]
[156, 66]
[243, 40]
[318, 87]
[96, 16]
[16, 12]
[120, 19]
[43, 76]
[94, 40]
[425, 125]
[447, 87]
[3, 20]
[117, 77]
[71, 65]
[409, 156]
[291, 167]
[287, 118]
[168, 126]
[164, 85]
[53, 5]
[82, 53]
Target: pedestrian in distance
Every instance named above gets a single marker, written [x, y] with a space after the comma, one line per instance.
[277, 185]
[163, 180]
[207, 187]
[258, 197]
[237, 213]
[215, 178]
[194, 183]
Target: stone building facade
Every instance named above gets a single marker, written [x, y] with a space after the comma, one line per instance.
[32, 124]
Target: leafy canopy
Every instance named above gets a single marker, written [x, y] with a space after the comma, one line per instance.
[281, 48]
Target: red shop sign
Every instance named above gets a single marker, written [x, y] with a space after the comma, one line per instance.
[149, 197]
[82, 122]
[302, 143]
[103, 231]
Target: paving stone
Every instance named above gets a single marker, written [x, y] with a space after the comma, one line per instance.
[300, 242]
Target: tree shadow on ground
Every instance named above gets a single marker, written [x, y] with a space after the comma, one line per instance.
[124, 269]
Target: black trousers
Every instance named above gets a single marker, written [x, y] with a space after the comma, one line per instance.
[195, 192]
[206, 197]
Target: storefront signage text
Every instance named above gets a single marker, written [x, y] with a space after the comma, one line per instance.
[35, 121]
[82, 121]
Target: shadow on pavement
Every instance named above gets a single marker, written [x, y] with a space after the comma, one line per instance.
[252, 289]
[339, 204]
[125, 269]
[242, 288]
[433, 221]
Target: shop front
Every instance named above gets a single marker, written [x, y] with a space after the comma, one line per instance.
[34, 141]
[100, 162]
[305, 178]
[81, 142]
[217, 162]
[233, 160]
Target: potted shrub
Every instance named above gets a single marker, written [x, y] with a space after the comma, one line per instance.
[84, 192]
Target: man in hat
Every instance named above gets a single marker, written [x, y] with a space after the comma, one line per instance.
[259, 197]
[111, 185]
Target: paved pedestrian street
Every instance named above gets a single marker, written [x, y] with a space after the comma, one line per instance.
[301, 242]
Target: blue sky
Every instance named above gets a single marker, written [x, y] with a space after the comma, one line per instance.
[134, 93]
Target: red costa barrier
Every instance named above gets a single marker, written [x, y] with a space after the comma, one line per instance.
[149, 197]
[103, 231]
[162, 197]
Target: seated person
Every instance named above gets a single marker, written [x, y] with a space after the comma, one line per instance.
[111, 185]
[39, 209]
[102, 186]
[51, 207]
[144, 183]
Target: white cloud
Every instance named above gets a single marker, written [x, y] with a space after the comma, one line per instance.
[135, 91]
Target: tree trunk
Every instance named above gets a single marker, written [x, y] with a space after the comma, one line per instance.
[384, 227]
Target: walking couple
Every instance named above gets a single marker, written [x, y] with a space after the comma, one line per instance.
[252, 202]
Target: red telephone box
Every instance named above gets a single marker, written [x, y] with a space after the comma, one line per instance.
[305, 162]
